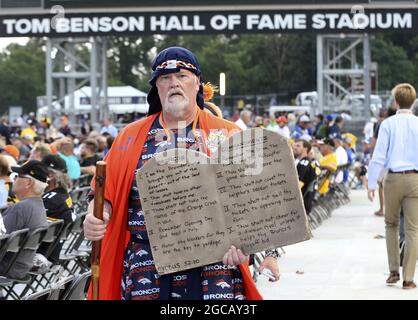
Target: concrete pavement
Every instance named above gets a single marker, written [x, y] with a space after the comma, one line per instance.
[346, 259]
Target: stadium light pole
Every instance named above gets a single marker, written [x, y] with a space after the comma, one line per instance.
[222, 85]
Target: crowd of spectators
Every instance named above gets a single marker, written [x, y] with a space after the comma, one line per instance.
[39, 165]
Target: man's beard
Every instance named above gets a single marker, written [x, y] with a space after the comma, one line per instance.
[177, 108]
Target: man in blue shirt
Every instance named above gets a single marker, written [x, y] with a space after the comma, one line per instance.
[335, 129]
[396, 151]
[65, 149]
[302, 128]
[109, 128]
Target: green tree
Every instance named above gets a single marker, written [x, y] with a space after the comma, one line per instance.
[22, 70]
[254, 64]
[393, 62]
[129, 60]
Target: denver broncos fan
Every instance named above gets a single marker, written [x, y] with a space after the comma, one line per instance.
[127, 267]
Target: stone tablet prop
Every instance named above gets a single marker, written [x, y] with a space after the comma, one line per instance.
[246, 195]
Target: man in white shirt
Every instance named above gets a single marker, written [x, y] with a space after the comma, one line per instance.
[244, 119]
[283, 129]
[342, 158]
[396, 150]
[368, 129]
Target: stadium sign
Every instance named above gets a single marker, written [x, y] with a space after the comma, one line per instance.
[209, 22]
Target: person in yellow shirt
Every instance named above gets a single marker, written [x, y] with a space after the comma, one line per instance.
[328, 164]
[30, 131]
[352, 140]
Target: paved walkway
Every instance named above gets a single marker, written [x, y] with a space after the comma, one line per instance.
[344, 260]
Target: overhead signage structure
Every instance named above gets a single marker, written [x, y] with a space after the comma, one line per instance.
[143, 3]
[130, 23]
[63, 18]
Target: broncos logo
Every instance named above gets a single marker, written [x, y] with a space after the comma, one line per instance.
[162, 144]
[143, 280]
[222, 283]
[141, 253]
[175, 295]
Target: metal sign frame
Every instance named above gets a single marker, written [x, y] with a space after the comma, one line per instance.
[209, 22]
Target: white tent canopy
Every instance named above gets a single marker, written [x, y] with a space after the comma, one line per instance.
[121, 99]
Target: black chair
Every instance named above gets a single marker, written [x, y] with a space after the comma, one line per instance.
[82, 181]
[3, 240]
[49, 242]
[78, 288]
[51, 238]
[71, 253]
[79, 198]
[29, 245]
[10, 249]
[62, 238]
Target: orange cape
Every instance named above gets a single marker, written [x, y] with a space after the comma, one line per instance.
[121, 161]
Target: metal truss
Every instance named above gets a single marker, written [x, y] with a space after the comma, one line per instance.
[68, 68]
[343, 68]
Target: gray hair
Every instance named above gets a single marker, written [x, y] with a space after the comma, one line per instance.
[38, 186]
[62, 180]
[244, 112]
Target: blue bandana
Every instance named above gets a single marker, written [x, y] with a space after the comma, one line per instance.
[171, 60]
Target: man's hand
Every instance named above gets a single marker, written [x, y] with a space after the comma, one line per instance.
[370, 194]
[95, 229]
[234, 257]
[270, 263]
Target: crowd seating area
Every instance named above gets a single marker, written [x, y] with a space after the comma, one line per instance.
[65, 279]
[68, 278]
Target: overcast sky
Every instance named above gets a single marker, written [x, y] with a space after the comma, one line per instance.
[4, 42]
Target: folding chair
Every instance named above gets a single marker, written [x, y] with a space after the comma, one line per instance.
[72, 252]
[47, 246]
[4, 282]
[79, 198]
[3, 240]
[11, 247]
[78, 288]
[58, 288]
[82, 181]
[51, 238]
[30, 245]
[39, 295]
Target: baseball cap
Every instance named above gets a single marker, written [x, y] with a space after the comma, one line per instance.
[32, 122]
[12, 150]
[348, 140]
[327, 141]
[281, 119]
[54, 161]
[304, 118]
[34, 168]
[306, 137]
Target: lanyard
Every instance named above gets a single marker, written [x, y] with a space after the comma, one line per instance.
[167, 131]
